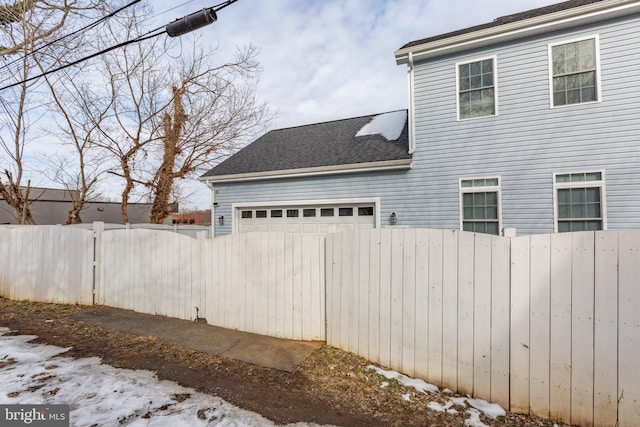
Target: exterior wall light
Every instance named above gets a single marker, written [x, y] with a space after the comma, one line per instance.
[393, 218]
[221, 220]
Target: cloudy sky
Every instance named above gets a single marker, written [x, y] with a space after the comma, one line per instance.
[332, 59]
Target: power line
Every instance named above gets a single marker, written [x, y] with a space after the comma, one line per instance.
[192, 22]
[71, 64]
[85, 28]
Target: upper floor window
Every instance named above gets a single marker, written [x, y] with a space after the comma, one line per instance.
[480, 205]
[574, 72]
[579, 201]
[476, 88]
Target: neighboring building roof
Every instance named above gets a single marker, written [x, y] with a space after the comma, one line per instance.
[51, 206]
[544, 20]
[360, 140]
[506, 20]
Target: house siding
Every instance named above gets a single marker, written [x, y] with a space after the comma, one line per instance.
[528, 140]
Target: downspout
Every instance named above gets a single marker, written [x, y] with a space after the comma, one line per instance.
[412, 114]
[213, 208]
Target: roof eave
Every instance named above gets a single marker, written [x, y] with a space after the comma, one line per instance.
[314, 171]
[563, 19]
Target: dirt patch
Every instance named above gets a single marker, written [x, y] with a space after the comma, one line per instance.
[330, 387]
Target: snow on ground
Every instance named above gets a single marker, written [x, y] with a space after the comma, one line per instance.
[491, 410]
[102, 395]
[389, 125]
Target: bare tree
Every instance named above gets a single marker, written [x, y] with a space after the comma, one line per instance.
[27, 28]
[15, 120]
[212, 111]
[172, 117]
[79, 169]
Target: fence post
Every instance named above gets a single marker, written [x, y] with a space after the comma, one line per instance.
[98, 229]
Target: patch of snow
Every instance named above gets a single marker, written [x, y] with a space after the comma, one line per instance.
[491, 410]
[474, 419]
[460, 401]
[418, 384]
[406, 397]
[389, 125]
[435, 406]
[384, 384]
[106, 396]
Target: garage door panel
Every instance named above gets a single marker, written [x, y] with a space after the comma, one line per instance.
[318, 219]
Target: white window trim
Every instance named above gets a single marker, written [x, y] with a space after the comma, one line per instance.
[495, 86]
[236, 208]
[580, 184]
[550, 46]
[463, 190]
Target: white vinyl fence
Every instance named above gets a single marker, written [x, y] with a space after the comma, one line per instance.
[265, 283]
[547, 324]
[48, 263]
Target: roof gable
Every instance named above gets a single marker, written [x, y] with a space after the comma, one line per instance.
[320, 145]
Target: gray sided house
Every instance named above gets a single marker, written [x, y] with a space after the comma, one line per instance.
[530, 122]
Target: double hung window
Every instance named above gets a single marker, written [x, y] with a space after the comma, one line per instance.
[574, 72]
[579, 201]
[480, 205]
[476, 88]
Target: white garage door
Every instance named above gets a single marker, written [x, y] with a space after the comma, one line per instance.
[306, 219]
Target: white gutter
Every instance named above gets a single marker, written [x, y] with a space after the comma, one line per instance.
[412, 111]
[315, 171]
[563, 19]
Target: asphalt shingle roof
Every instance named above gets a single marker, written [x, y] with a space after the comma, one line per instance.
[506, 20]
[315, 145]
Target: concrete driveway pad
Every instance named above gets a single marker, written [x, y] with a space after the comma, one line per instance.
[269, 352]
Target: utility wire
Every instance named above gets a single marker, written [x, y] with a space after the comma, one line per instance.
[71, 64]
[85, 28]
[149, 35]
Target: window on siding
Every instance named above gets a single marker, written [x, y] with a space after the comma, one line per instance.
[476, 89]
[480, 205]
[579, 201]
[574, 68]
